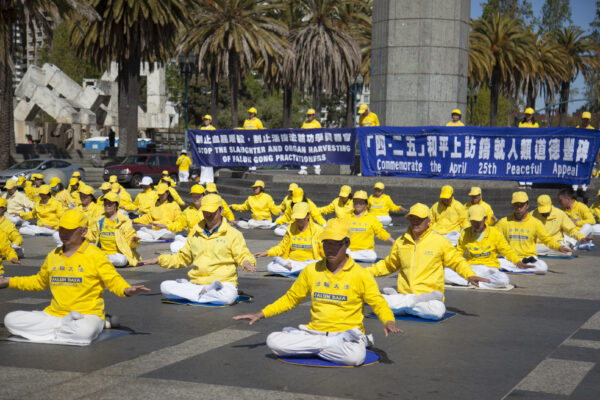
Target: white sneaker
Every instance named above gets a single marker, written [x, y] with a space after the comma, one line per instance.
[302, 172]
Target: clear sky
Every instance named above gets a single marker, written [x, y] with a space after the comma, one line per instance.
[583, 12]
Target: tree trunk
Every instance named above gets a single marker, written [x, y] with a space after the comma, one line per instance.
[350, 100]
[7, 125]
[531, 95]
[494, 93]
[214, 96]
[563, 108]
[128, 82]
[317, 99]
[287, 106]
[233, 88]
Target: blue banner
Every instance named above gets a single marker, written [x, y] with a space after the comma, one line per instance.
[235, 147]
[549, 155]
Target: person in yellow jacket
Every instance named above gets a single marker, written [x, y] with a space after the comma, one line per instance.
[77, 274]
[297, 197]
[17, 202]
[207, 173]
[211, 188]
[586, 121]
[300, 245]
[595, 209]
[215, 249]
[164, 211]
[105, 188]
[366, 116]
[113, 233]
[287, 200]
[310, 123]
[253, 122]
[74, 185]
[475, 194]
[146, 198]
[448, 216]
[7, 252]
[61, 194]
[528, 120]
[166, 179]
[261, 205]
[559, 226]
[47, 212]
[184, 163]
[338, 289]
[88, 204]
[579, 213]
[456, 116]
[522, 232]
[188, 219]
[480, 245]
[6, 226]
[32, 191]
[363, 229]
[381, 204]
[419, 256]
[342, 205]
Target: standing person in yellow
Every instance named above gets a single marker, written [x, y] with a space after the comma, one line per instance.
[559, 226]
[77, 274]
[17, 202]
[419, 256]
[207, 173]
[595, 209]
[476, 199]
[363, 229]
[47, 212]
[522, 232]
[113, 233]
[448, 216]
[338, 288]
[252, 123]
[211, 188]
[481, 244]
[261, 205]
[586, 121]
[381, 204]
[297, 197]
[300, 245]
[342, 205]
[528, 120]
[146, 198]
[310, 123]
[164, 211]
[61, 194]
[184, 163]
[188, 219]
[579, 213]
[456, 116]
[367, 117]
[215, 249]
[6, 226]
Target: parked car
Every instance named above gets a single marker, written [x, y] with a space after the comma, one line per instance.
[131, 170]
[39, 165]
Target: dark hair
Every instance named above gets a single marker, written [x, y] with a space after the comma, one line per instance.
[567, 192]
[169, 197]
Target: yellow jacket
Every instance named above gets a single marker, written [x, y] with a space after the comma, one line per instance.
[208, 128]
[183, 162]
[124, 233]
[457, 123]
[523, 235]
[528, 125]
[285, 203]
[261, 205]
[341, 210]
[369, 120]
[215, 257]
[125, 200]
[336, 299]
[76, 197]
[363, 230]
[176, 196]
[293, 239]
[557, 224]
[77, 282]
[33, 193]
[64, 198]
[46, 214]
[580, 214]
[17, 203]
[144, 201]
[421, 265]
[11, 231]
[382, 205]
[447, 219]
[93, 211]
[6, 250]
[188, 219]
[160, 214]
[595, 209]
[485, 251]
[315, 215]
[488, 211]
[227, 213]
[253, 123]
[314, 124]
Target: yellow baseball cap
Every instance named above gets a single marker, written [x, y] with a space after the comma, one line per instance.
[112, 197]
[116, 187]
[259, 184]
[252, 110]
[419, 210]
[44, 189]
[311, 111]
[475, 191]
[297, 195]
[3, 202]
[37, 176]
[73, 181]
[544, 203]
[300, 210]
[197, 189]
[345, 191]
[292, 186]
[379, 185]
[87, 189]
[362, 108]
[10, 184]
[529, 110]
[165, 173]
[106, 186]
[211, 187]
[76, 174]
[447, 192]
[211, 203]
[162, 188]
[586, 115]
[55, 181]
[73, 219]
[207, 117]
[477, 213]
[519, 197]
[456, 111]
[361, 194]
[113, 179]
[336, 229]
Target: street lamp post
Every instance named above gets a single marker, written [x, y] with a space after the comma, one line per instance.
[187, 67]
[357, 84]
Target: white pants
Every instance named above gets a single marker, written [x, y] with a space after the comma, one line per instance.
[278, 265]
[34, 230]
[254, 224]
[39, 326]
[385, 220]
[118, 260]
[426, 305]
[330, 346]
[18, 250]
[362, 255]
[178, 243]
[498, 279]
[304, 170]
[221, 292]
[281, 230]
[207, 175]
[15, 219]
[540, 266]
[543, 250]
[453, 237]
[596, 229]
[586, 230]
[150, 235]
[183, 176]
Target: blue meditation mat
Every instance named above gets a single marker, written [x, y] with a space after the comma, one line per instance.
[178, 300]
[41, 234]
[106, 334]
[405, 317]
[559, 257]
[284, 274]
[314, 361]
[524, 272]
[157, 241]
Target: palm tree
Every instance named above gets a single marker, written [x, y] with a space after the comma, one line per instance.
[512, 54]
[580, 55]
[130, 32]
[29, 14]
[231, 34]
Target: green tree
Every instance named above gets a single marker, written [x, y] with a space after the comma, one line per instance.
[520, 9]
[592, 81]
[556, 14]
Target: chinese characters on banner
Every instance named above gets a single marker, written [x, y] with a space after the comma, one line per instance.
[551, 155]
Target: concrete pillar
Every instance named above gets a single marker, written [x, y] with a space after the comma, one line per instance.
[419, 60]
